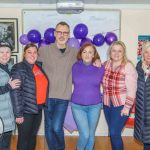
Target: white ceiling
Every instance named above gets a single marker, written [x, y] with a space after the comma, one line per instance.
[85, 1]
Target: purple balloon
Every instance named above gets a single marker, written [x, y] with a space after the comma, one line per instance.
[42, 43]
[98, 40]
[49, 35]
[110, 38]
[34, 36]
[80, 31]
[24, 39]
[69, 122]
[73, 42]
[85, 41]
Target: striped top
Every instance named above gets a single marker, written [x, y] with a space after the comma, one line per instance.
[119, 85]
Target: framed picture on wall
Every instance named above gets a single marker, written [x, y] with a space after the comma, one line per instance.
[9, 32]
[14, 59]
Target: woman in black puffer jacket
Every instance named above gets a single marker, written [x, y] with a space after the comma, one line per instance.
[29, 97]
[142, 107]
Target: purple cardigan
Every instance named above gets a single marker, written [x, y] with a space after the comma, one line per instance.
[86, 80]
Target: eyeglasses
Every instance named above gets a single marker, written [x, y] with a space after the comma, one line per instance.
[62, 33]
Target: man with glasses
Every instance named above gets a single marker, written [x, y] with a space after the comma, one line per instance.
[57, 59]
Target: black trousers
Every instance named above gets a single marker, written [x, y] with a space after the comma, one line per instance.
[5, 141]
[27, 131]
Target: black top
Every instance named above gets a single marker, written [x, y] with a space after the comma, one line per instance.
[62, 50]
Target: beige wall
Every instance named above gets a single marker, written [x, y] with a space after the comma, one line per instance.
[134, 22]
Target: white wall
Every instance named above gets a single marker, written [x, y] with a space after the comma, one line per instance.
[134, 21]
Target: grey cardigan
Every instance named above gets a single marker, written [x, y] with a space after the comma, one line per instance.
[58, 66]
[6, 110]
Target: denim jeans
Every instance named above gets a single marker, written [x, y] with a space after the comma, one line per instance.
[146, 146]
[55, 112]
[86, 118]
[116, 123]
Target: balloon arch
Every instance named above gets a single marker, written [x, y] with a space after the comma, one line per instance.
[80, 37]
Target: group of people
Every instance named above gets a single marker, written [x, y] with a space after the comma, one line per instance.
[44, 79]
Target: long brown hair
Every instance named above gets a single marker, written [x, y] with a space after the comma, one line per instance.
[96, 55]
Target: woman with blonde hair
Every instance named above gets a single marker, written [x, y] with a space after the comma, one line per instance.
[119, 84]
[142, 107]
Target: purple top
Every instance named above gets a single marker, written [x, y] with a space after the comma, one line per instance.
[86, 80]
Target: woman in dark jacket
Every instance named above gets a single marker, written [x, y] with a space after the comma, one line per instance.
[29, 97]
[142, 107]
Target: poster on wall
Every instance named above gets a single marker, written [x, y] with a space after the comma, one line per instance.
[9, 32]
[141, 40]
[130, 121]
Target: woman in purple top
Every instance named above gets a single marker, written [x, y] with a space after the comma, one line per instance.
[86, 97]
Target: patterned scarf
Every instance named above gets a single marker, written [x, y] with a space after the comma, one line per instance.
[146, 69]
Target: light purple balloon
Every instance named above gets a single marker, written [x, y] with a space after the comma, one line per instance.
[85, 41]
[110, 38]
[24, 39]
[73, 42]
[69, 122]
[42, 43]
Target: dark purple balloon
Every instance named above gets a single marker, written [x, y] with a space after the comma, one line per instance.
[49, 35]
[73, 42]
[80, 31]
[98, 40]
[24, 39]
[85, 41]
[110, 38]
[34, 36]
[42, 43]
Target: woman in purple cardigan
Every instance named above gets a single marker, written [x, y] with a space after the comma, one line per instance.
[86, 97]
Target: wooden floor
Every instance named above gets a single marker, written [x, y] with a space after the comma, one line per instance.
[102, 143]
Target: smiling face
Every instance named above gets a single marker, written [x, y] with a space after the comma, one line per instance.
[31, 55]
[61, 34]
[5, 54]
[87, 54]
[146, 55]
[117, 53]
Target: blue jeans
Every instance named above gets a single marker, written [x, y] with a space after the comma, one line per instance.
[146, 146]
[116, 123]
[55, 112]
[86, 118]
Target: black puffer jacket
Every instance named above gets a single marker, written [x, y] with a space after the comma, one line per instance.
[142, 109]
[24, 98]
